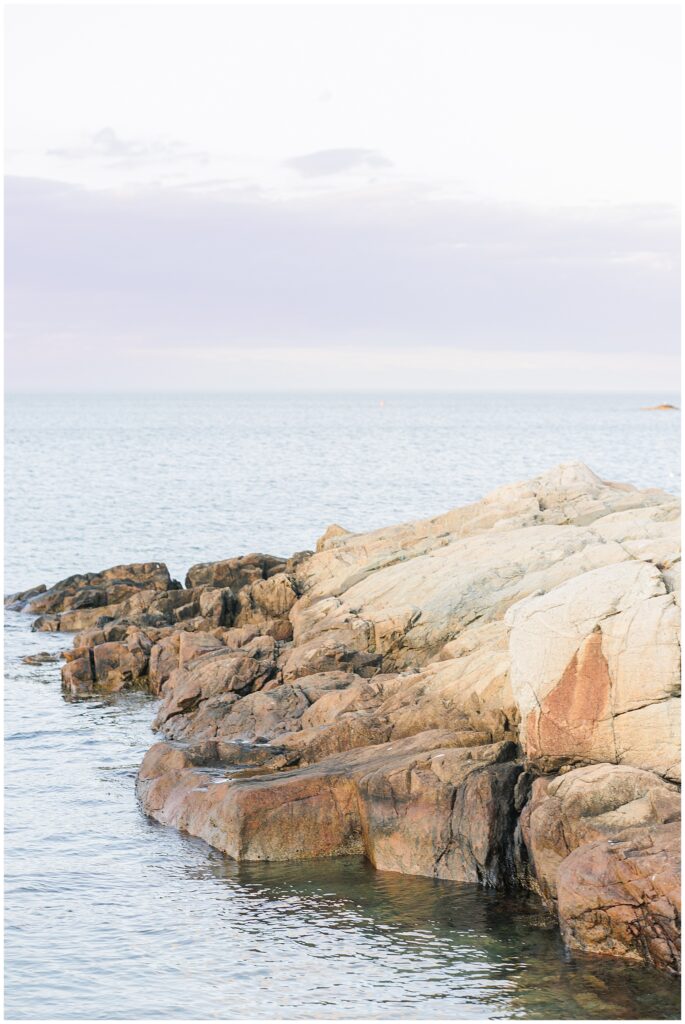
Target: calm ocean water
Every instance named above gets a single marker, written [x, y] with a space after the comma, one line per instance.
[109, 915]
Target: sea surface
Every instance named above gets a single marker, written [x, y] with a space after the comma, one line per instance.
[109, 915]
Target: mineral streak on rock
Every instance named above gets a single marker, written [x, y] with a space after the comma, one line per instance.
[490, 696]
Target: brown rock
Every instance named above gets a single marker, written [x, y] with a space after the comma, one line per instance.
[41, 658]
[352, 803]
[78, 673]
[195, 645]
[95, 590]
[234, 573]
[587, 804]
[163, 661]
[197, 698]
[621, 896]
[328, 656]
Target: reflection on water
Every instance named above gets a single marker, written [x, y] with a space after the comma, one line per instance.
[111, 915]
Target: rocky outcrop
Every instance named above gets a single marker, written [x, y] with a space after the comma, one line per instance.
[94, 590]
[423, 804]
[587, 804]
[488, 696]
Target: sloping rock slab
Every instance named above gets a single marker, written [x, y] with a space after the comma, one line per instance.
[418, 805]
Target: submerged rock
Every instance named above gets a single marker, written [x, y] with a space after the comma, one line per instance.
[491, 696]
[42, 658]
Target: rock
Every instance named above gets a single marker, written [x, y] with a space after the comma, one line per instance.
[408, 590]
[78, 673]
[217, 606]
[329, 655]
[164, 659]
[467, 686]
[331, 533]
[379, 800]
[196, 699]
[17, 602]
[234, 573]
[42, 658]
[238, 636]
[195, 645]
[595, 669]
[119, 665]
[588, 804]
[267, 599]
[491, 695]
[107, 667]
[307, 746]
[277, 709]
[621, 896]
[95, 590]
[451, 816]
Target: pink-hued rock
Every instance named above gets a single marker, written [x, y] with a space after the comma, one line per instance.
[380, 800]
[621, 896]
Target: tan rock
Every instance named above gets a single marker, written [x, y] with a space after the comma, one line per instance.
[595, 669]
[195, 645]
[266, 599]
[197, 698]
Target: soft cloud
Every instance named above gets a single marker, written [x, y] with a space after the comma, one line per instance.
[337, 161]
[135, 278]
[106, 145]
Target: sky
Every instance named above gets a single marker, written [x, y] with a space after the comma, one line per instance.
[356, 197]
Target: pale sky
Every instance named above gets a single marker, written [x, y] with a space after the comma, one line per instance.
[368, 197]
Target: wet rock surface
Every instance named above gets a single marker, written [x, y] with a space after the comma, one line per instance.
[489, 696]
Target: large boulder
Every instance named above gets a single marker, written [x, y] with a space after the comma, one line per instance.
[107, 667]
[603, 845]
[621, 896]
[417, 805]
[595, 669]
[234, 573]
[196, 698]
[585, 805]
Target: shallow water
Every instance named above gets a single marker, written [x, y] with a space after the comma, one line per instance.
[111, 915]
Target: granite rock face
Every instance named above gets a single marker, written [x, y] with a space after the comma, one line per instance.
[622, 896]
[488, 696]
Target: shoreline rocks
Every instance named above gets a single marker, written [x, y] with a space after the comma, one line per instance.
[490, 696]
